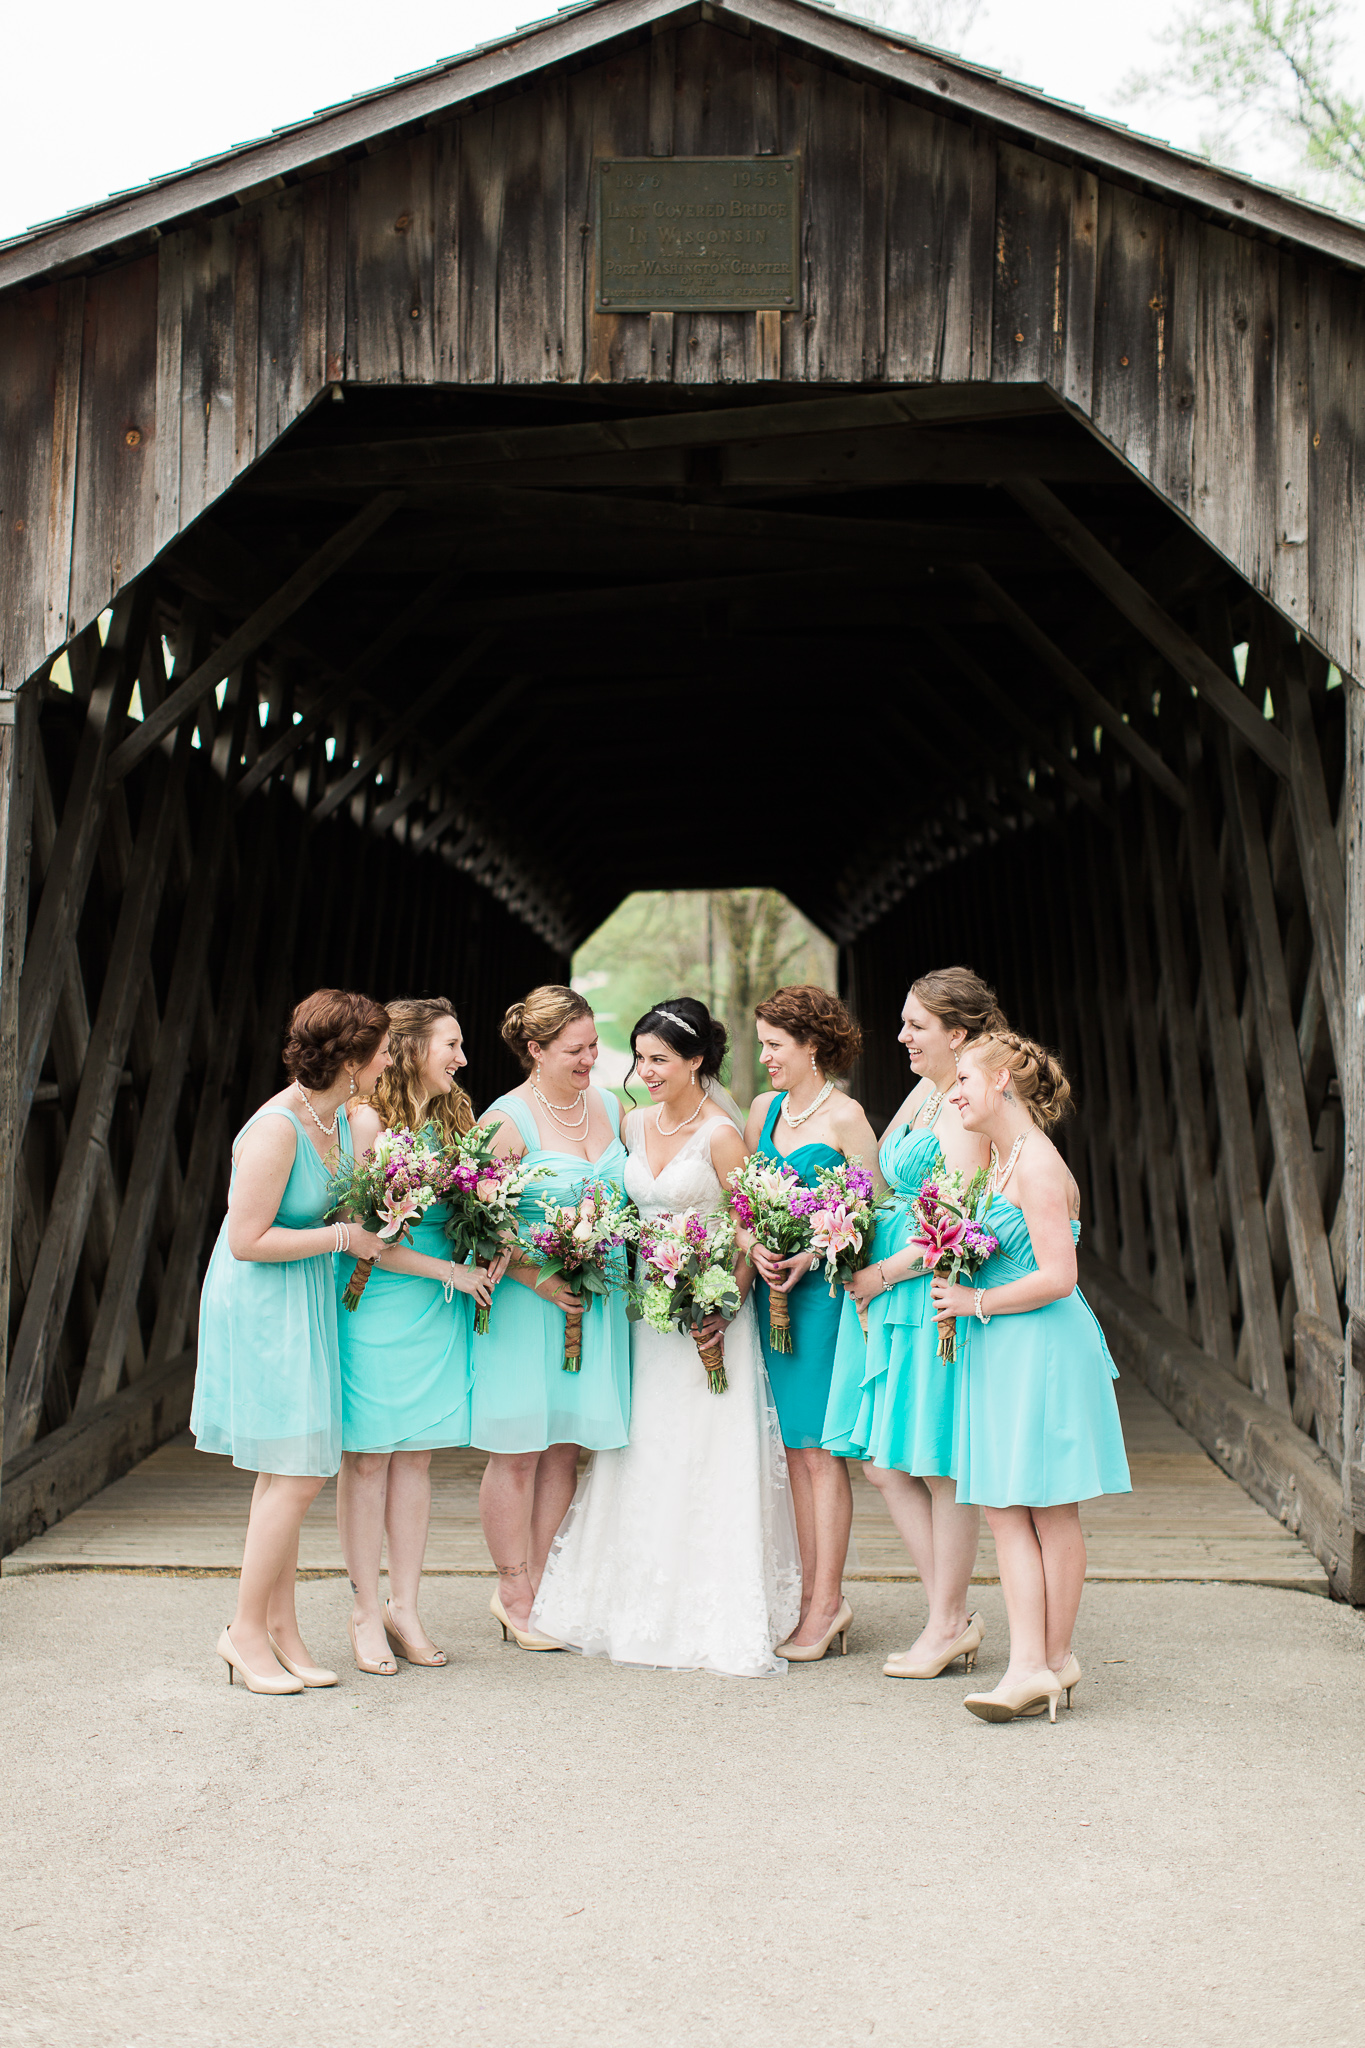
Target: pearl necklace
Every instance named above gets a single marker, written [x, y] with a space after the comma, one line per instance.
[575, 1126]
[328, 1130]
[804, 1116]
[998, 1178]
[659, 1120]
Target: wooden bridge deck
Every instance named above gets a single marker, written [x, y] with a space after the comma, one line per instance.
[1185, 1519]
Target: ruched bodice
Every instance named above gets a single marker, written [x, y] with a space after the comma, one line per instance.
[1037, 1424]
[522, 1398]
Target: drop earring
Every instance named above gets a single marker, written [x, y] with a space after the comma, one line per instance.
[353, 1084]
[814, 1069]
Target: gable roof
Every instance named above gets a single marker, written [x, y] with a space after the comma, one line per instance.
[593, 25]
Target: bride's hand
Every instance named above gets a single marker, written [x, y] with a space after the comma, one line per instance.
[711, 1330]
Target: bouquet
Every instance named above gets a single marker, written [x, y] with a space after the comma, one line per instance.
[842, 1223]
[774, 1203]
[387, 1190]
[687, 1272]
[950, 1235]
[483, 1193]
[579, 1244]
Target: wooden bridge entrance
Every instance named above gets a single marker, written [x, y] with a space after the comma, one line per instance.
[358, 546]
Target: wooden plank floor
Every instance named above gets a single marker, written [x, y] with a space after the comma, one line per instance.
[1185, 1519]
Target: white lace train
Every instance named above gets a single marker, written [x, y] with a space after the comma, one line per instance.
[679, 1551]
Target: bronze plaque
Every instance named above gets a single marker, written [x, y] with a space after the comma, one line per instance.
[698, 234]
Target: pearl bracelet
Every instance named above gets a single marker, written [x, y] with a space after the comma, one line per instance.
[886, 1284]
[341, 1241]
[981, 1317]
[448, 1286]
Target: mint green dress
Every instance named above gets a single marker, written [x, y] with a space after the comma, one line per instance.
[893, 1400]
[1037, 1423]
[522, 1398]
[406, 1368]
[267, 1388]
[800, 1378]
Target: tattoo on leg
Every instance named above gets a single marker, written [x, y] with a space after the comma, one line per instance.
[511, 1571]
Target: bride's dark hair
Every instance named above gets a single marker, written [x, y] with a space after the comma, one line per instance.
[687, 1028]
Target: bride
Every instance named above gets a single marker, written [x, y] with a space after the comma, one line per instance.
[679, 1551]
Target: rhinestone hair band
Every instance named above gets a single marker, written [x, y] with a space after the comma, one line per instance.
[681, 1022]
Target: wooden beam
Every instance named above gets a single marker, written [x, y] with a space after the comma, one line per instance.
[1141, 609]
[1352, 1076]
[439, 763]
[1187, 1087]
[18, 745]
[374, 463]
[1320, 862]
[363, 770]
[438, 594]
[1314, 1282]
[78, 838]
[1260, 1304]
[1062, 766]
[129, 959]
[253, 632]
[1091, 700]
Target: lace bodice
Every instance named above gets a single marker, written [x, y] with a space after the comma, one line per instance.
[689, 1181]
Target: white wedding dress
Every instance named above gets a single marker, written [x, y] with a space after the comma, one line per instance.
[679, 1551]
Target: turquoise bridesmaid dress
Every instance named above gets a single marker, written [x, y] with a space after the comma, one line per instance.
[893, 1400]
[522, 1398]
[267, 1391]
[406, 1368]
[801, 1378]
[1037, 1422]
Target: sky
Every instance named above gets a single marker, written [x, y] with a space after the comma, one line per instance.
[100, 97]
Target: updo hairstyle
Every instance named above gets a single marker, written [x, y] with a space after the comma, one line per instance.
[397, 1094]
[541, 1018]
[1036, 1075]
[687, 1028]
[329, 1028]
[817, 1019]
[960, 1000]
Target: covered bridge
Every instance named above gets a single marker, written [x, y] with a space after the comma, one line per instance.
[984, 478]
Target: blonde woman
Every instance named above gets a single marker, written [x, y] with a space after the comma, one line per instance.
[405, 1352]
[1037, 1427]
[528, 1412]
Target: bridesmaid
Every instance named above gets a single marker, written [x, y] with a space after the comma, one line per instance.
[405, 1351]
[528, 1413]
[893, 1399]
[1037, 1427]
[805, 1037]
[267, 1393]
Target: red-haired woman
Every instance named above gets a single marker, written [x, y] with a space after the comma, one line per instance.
[806, 1037]
[267, 1393]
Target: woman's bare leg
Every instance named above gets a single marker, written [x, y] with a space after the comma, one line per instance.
[407, 1518]
[362, 1488]
[830, 1498]
[279, 1503]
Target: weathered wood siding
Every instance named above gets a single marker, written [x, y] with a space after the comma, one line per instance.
[1230, 373]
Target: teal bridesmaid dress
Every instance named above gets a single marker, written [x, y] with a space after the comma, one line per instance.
[893, 1400]
[267, 1390]
[801, 1378]
[406, 1367]
[522, 1398]
[1037, 1423]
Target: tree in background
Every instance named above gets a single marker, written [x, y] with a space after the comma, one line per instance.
[731, 947]
[942, 24]
[1269, 69]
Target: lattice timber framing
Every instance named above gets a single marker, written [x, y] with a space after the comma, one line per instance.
[378, 610]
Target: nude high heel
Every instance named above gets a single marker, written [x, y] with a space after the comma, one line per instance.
[311, 1674]
[385, 1668]
[231, 1656]
[1015, 1705]
[1069, 1677]
[811, 1653]
[966, 1647]
[409, 1652]
[525, 1639]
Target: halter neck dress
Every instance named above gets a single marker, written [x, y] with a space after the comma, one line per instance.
[893, 1400]
[406, 1366]
[522, 1398]
[800, 1378]
[1037, 1423]
[267, 1388]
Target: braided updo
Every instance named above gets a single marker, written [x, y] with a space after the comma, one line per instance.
[541, 1018]
[327, 1029]
[961, 1001]
[1036, 1075]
